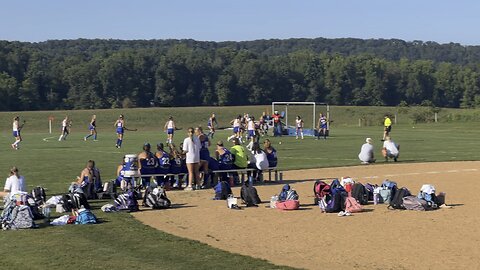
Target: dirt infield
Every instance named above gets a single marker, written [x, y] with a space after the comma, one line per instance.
[375, 239]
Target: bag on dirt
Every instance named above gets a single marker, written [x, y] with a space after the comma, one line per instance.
[249, 195]
[335, 184]
[282, 196]
[352, 206]
[85, 216]
[397, 201]
[222, 190]
[385, 196]
[414, 203]
[38, 194]
[156, 198]
[17, 217]
[359, 193]
[288, 205]
[370, 188]
[320, 190]
[427, 193]
[337, 201]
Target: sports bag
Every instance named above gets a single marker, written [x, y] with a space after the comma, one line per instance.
[320, 190]
[156, 198]
[249, 195]
[337, 201]
[386, 195]
[414, 203]
[370, 188]
[397, 201]
[85, 216]
[288, 205]
[38, 194]
[222, 190]
[352, 206]
[74, 201]
[283, 194]
[359, 192]
[17, 217]
[127, 201]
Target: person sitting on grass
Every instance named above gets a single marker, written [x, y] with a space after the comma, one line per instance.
[366, 153]
[14, 183]
[390, 149]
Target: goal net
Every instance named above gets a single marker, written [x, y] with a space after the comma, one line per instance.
[308, 111]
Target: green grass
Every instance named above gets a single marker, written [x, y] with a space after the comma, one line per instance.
[126, 243]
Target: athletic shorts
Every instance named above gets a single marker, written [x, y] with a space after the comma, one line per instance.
[16, 134]
[64, 129]
[323, 126]
[251, 133]
[170, 131]
[388, 129]
[236, 129]
[91, 127]
[120, 130]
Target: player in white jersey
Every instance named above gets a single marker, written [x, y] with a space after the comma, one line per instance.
[169, 128]
[66, 124]
[299, 126]
[16, 127]
[236, 124]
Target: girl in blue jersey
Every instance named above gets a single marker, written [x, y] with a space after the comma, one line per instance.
[93, 129]
[147, 164]
[236, 124]
[212, 122]
[271, 153]
[225, 160]
[204, 155]
[16, 127]
[163, 166]
[322, 126]
[120, 126]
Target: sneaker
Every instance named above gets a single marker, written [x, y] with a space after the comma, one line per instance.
[85, 138]
[445, 206]
[175, 185]
[13, 146]
[189, 188]
[95, 140]
[395, 159]
[346, 213]
[341, 214]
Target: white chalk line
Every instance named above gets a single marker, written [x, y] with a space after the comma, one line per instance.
[418, 173]
[48, 138]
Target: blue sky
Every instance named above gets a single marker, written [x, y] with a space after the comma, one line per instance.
[219, 20]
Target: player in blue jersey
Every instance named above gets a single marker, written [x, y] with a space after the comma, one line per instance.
[16, 127]
[322, 127]
[163, 166]
[204, 155]
[93, 129]
[212, 123]
[147, 164]
[225, 161]
[120, 126]
[271, 153]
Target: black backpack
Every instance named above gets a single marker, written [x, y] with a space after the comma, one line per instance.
[397, 201]
[156, 201]
[359, 192]
[74, 201]
[38, 194]
[249, 195]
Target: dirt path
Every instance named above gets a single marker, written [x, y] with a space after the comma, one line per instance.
[375, 239]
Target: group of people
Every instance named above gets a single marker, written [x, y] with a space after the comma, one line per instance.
[193, 158]
[390, 149]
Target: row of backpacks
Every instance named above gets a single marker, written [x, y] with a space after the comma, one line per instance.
[348, 195]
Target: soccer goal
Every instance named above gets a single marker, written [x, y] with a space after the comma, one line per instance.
[308, 111]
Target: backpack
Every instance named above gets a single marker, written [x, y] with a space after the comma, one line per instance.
[370, 187]
[283, 194]
[335, 184]
[397, 201]
[387, 184]
[38, 194]
[85, 216]
[74, 201]
[352, 206]
[288, 205]
[109, 190]
[292, 195]
[249, 195]
[17, 217]
[359, 193]
[427, 193]
[222, 190]
[337, 201]
[320, 190]
[388, 191]
[414, 203]
[127, 201]
[36, 213]
[156, 198]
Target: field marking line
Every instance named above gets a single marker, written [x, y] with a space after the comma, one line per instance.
[48, 138]
[78, 150]
[419, 173]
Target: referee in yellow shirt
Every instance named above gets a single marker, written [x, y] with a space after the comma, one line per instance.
[387, 127]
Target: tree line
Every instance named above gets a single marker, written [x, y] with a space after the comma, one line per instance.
[87, 74]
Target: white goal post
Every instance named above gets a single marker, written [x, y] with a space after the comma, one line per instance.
[314, 104]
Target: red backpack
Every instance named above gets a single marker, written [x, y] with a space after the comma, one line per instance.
[351, 205]
[288, 205]
[320, 190]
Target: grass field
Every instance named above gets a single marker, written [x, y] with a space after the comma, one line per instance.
[124, 242]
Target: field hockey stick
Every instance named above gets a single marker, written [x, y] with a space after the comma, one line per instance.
[134, 129]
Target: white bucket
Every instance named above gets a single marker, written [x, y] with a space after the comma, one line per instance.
[231, 201]
[131, 162]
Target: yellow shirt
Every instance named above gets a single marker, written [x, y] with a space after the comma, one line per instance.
[387, 122]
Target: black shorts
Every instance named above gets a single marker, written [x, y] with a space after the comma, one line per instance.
[388, 129]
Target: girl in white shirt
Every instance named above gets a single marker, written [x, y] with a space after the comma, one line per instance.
[191, 147]
[15, 183]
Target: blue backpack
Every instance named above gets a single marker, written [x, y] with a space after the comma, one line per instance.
[337, 200]
[222, 190]
[85, 216]
[283, 194]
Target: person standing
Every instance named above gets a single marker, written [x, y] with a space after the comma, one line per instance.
[169, 129]
[366, 152]
[66, 124]
[16, 127]
[120, 126]
[93, 128]
[322, 126]
[191, 147]
[212, 123]
[299, 126]
[387, 123]
[277, 124]
[236, 124]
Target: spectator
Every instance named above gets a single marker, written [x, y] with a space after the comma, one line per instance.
[147, 164]
[366, 152]
[191, 147]
[259, 161]
[390, 149]
[387, 127]
[224, 158]
[271, 153]
[14, 183]
[240, 157]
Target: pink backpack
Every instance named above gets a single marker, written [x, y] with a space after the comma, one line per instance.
[288, 205]
[352, 206]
